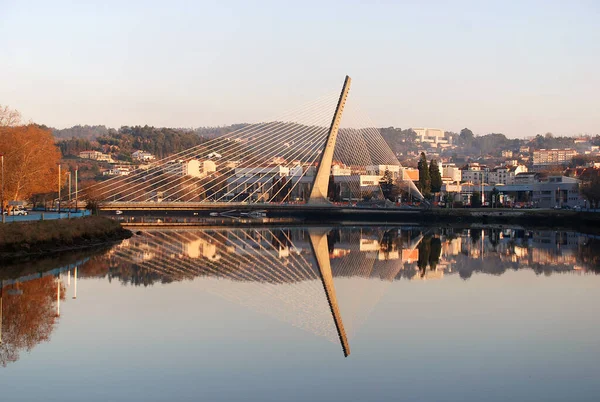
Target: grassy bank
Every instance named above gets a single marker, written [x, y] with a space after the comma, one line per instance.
[42, 237]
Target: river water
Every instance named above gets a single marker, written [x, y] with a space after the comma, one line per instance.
[308, 314]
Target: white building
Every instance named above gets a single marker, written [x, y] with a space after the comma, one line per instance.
[95, 155]
[433, 136]
[142, 156]
[475, 173]
[190, 167]
[379, 170]
[451, 173]
[544, 157]
[505, 174]
[262, 171]
[340, 170]
[300, 170]
[117, 171]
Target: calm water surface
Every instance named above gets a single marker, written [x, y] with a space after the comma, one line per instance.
[352, 314]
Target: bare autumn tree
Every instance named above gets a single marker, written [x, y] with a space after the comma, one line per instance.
[30, 161]
[9, 117]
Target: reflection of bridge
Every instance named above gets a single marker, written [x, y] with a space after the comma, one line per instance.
[282, 272]
[288, 274]
[305, 160]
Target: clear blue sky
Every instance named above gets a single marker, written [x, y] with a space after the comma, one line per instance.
[516, 67]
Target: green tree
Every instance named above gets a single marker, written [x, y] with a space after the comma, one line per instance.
[466, 136]
[436, 176]
[331, 188]
[590, 188]
[387, 185]
[424, 178]
[476, 200]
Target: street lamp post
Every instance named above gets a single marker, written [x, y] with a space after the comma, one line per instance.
[69, 190]
[59, 189]
[2, 158]
[76, 170]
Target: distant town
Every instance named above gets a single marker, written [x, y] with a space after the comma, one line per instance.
[451, 169]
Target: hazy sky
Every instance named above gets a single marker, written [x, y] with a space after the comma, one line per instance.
[516, 67]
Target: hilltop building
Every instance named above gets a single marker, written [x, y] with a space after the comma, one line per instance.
[142, 156]
[548, 157]
[95, 155]
[433, 137]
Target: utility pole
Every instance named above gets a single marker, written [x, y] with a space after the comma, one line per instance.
[59, 188]
[76, 170]
[69, 190]
[2, 157]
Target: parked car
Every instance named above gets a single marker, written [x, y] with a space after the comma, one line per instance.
[17, 211]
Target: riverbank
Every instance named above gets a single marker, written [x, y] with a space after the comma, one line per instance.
[31, 239]
[585, 222]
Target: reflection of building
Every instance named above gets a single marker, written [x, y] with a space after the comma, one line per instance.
[293, 274]
[200, 248]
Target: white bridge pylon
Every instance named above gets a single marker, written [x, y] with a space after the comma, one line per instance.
[325, 150]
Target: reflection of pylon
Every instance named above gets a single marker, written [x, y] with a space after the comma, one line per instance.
[318, 242]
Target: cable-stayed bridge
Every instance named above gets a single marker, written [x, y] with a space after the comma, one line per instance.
[325, 154]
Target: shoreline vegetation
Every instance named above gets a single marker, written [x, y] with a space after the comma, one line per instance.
[19, 240]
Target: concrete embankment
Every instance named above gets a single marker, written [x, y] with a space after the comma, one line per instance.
[30, 239]
[550, 219]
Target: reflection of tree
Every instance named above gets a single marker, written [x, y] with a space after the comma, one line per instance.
[28, 311]
[424, 251]
[430, 249]
[389, 242]
[333, 237]
[589, 254]
[475, 235]
[436, 251]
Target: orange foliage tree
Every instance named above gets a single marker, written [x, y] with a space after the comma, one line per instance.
[30, 161]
